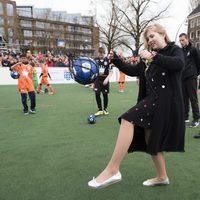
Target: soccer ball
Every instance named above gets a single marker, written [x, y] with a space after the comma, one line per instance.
[92, 119]
[14, 74]
[84, 70]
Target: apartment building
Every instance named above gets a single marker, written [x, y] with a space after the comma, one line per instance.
[42, 30]
[194, 26]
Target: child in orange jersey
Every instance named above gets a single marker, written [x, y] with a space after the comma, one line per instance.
[25, 83]
[44, 81]
[121, 81]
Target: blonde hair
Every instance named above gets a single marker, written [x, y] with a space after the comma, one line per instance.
[157, 28]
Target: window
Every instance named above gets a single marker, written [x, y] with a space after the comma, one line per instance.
[70, 37]
[10, 21]
[27, 42]
[40, 34]
[197, 33]
[71, 28]
[11, 40]
[86, 30]
[1, 8]
[2, 31]
[1, 21]
[192, 23]
[192, 35]
[58, 27]
[10, 32]
[28, 33]
[88, 39]
[26, 23]
[198, 21]
[26, 11]
[42, 25]
[41, 43]
[10, 10]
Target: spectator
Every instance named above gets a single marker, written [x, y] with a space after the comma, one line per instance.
[40, 56]
[60, 63]
[5, 61]
[189, 79]
[50, 62]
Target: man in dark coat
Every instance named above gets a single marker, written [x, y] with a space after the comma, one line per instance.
[189, 79]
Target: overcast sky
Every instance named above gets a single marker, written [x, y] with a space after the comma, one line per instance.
[174, 24]
[71, 6]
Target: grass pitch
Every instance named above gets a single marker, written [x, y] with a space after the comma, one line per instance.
[53, 154]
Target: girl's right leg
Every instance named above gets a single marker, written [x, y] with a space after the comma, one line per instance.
[125, 136]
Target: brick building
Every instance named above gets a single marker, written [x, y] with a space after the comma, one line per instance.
[28, 28]
[194, 26]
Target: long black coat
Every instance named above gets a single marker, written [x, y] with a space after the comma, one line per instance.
[168, 126]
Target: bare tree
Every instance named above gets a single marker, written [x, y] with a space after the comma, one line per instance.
[111, 35]
[193, 4]
[136, 18]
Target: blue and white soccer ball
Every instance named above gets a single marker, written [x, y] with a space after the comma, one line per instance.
[14, 74]
[91, 119]
[84, 70]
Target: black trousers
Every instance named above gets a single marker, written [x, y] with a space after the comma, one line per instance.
[32, 100]
[98, 100]
[189, 88]
[99, 88]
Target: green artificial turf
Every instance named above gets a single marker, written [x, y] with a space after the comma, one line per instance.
[53, 154]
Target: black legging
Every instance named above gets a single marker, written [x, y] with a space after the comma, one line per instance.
[98, 100]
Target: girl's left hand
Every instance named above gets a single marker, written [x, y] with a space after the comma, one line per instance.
[146, 55]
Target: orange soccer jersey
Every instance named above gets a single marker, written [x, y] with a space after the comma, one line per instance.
[25, 81]
[45, 73]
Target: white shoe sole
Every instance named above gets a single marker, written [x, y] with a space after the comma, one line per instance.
[114, 179]
[105, 185]
[159, 183]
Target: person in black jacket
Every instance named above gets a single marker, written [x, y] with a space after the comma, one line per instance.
[156, 123]
[101, 83]
[189, 79]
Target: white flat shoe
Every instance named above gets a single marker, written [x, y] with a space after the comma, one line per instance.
[154, 183]
[113, 179]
